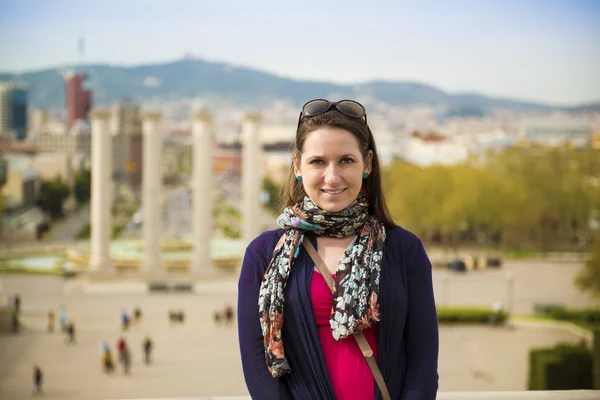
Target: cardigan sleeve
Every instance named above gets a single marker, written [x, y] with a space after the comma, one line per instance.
[259, 381]
[421, 330]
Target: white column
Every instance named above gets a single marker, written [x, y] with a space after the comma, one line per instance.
[251, 177]
[151, 194]
[100, 220]
[202, 195]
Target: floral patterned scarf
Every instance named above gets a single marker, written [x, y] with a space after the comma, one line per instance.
[355, 297]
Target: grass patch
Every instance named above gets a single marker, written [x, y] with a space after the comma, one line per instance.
[519, 254]
[8, 269]
[547, 320]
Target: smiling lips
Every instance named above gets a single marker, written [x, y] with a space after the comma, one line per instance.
[333, 192]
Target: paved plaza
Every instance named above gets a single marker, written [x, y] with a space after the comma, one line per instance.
[198, 358]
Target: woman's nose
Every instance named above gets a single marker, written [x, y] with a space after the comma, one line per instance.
[332, 175]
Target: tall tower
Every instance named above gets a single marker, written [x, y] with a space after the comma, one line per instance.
[79, 101]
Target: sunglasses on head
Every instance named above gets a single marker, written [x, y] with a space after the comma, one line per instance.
[349, 108]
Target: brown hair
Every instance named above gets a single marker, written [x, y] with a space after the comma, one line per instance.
[293, 190]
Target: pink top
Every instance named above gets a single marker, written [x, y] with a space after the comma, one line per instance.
[349, 372]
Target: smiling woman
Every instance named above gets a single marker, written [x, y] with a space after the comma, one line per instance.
[332, 168]
[360, 319]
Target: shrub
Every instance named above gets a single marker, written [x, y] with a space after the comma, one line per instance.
[563, 367]
[118, 229]
[470, 315]
[587, 317]
[85, 232]
[590, 316]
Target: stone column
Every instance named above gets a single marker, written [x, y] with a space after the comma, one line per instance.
[151, 195]
[251, 178]
[202, 195]
[100, 219]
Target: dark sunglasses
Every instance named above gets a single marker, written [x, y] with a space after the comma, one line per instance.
[349, 108]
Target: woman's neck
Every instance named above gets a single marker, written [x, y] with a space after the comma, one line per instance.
[331, 250]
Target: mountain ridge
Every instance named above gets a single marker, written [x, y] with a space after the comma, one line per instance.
[192, 78]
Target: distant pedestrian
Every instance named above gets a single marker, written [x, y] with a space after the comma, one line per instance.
[64, 321]
[148, 350]
[228, 315]
[107, 360]
[498, 312]
[71, 333]
[124, 320]
[51, 320]
[17, 303]
[137, 315]
[38, 378]
[217, 317]
[15, 320]
[124, 356]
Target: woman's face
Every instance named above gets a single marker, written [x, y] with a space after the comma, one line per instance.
[332, 168]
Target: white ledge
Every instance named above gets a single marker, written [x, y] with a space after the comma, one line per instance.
[530, 395]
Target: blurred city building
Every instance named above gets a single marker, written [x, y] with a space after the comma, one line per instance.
[426, 148]
[19, 191]
[555, 131]
[13, 110]
[125, 126]
[38, 118]
[79, 100]
[3, 176]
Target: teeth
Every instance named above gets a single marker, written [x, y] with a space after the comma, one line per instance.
[334, 191]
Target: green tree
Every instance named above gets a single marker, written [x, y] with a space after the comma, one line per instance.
[273, 190]
[588, 280]
[51, 196]
[82, 186]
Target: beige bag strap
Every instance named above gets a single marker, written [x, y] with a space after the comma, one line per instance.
[358, 336]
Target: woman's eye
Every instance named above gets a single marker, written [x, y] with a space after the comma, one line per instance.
[347, 160]
[316, 162]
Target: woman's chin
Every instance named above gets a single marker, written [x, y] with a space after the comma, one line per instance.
[334, 205]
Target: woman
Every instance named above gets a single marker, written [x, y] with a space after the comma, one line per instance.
[383, 284]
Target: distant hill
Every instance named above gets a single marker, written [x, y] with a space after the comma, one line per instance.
[197, 78]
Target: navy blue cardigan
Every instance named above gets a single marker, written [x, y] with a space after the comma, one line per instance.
[408, 331]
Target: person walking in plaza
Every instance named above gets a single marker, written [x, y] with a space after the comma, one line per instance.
[148, 350]
[228, 313]
[137, 315]
[38, 378]
[17, 303]
[360, 317]
[106, 357]
[63, 318]
[124, 320]
[71, 333]
[16, 323]
[124, 356]
[50, 320]
[107, 361]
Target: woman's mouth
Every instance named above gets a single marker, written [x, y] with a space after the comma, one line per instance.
[333, 192]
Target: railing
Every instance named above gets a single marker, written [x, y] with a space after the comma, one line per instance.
[531, 395]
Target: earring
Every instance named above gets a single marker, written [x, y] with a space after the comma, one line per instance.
[299, 177]
[365, 175]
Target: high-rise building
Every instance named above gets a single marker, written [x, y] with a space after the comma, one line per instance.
[13, 110]
[79, 100]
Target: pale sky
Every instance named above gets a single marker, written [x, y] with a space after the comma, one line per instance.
[541, 50]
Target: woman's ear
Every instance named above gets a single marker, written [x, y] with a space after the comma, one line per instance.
[296, 164]
[369, 162]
